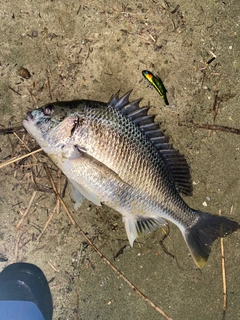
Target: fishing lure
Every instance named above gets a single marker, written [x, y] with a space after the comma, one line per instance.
[157, 83]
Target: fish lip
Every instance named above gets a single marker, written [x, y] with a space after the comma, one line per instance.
[29, 116]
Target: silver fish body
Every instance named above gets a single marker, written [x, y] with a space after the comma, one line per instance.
[114, 154]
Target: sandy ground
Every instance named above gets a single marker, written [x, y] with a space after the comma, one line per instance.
[78, 49]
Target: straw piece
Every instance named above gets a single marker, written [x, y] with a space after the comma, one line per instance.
[46, 224]
[27, 210]
[58, 195]
[52, 266]
[15, 159]
[25, 145]
[223, 277]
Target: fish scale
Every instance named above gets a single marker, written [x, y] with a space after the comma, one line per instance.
[114, 154]
[130, 152]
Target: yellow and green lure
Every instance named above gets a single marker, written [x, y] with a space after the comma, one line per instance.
[157, 83]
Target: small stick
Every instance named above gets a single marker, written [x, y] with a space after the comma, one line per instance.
[29, 165]
[32, 96]
[25, 145]
[213, 57]
[48, 82]
[217, 101]
[224, 280]
[11, 130]
[79, 8]
[14, 91]
[17, 136]
[153, 39]
[64, 187]
[223, 277]
[47, 223]
[27, 210]
[15, 159]
[58, 188]
[58, 195]
[217, 128]
[77, 307]
[120, 251]
[176, 9]
[166, 234]
[52, 266]
[19, 235]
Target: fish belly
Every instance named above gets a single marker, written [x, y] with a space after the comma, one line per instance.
[91, 179]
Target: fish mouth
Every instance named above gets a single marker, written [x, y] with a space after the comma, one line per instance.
[29, 116]
[28, 119]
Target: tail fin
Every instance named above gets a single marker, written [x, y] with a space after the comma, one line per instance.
[208, 228]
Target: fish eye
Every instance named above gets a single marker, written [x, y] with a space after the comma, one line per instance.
[47, 110]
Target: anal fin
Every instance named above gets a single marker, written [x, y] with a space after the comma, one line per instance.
[137, 226]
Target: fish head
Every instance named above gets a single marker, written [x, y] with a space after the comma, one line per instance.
[38, 122]
[53, 124]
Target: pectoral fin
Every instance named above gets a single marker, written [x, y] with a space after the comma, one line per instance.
[82, 193]
[75, 195]
[89, 177]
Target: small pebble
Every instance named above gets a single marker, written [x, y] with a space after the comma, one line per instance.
[34, 33]
[24, 73]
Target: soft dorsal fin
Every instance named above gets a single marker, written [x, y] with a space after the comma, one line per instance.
[175, 161]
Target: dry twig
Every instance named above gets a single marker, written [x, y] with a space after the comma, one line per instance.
[25, 145]
[58, 195]
[216, 128]
[48, 83]
[27, 210]
[15, 159]
[58, 188]
[18, 236]
[223, 277]
[52, 266]
[4, 131]
[211, 127]
[47, 223]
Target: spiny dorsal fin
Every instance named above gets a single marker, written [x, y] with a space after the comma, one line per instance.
[114, 99]
[175, 161]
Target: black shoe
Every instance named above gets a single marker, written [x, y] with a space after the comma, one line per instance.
[25, 291]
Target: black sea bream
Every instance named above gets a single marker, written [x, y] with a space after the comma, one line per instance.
[114, 154]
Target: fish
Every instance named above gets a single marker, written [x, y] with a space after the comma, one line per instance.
[157, 83]
[115, 154]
